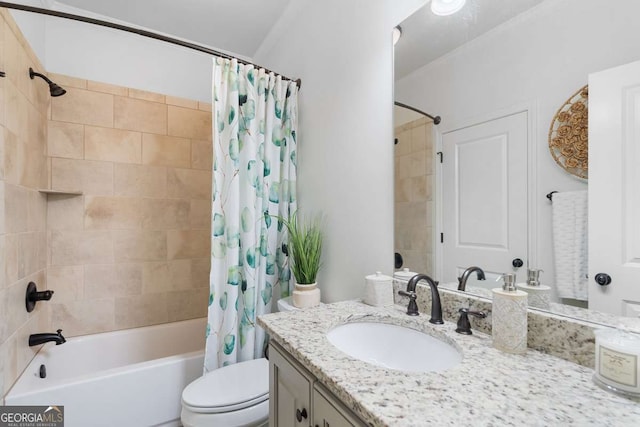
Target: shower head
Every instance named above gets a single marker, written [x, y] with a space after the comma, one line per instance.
[54, 89]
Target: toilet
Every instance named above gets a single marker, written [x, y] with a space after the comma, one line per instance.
[232, 396]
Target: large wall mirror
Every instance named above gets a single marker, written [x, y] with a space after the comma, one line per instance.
[472, 190]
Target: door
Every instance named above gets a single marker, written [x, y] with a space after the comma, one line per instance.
[328, 412]
[614, 190]
[484, 198]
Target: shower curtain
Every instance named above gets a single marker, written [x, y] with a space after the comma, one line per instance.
[254, 183]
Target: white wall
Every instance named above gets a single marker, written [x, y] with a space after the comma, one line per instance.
[541, 58]
[112, 56]
[342, 50]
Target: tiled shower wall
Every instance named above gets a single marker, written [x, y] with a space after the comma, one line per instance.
[23, 246]
[414, 220]
[133, 249]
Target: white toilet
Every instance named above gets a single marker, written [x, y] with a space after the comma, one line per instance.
[232, 396]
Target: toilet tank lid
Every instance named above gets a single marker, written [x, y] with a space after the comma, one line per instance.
[229, 385]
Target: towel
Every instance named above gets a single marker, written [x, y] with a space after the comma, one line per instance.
[570, 244]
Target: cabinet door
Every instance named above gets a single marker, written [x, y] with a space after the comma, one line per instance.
[328, 412]
[289, 391]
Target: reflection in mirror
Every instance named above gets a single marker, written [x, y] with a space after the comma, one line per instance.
[497, 72]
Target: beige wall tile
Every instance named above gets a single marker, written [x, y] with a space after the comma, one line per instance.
[144, 310]
[92, 177]
[165, 276]
[182, 102]
[68, 81]
[36, 134]
[43, 250]
[187, 304]
[30, 166]
[404, 143]
[188, 183]
[83, 317]
[140, 245]
[419, 138]
[112, 145]
[161, 214]
[403, 166]
[70, 247]
[140, 181]
[12, 164]
[107, 88]
[204, 106]
[27, 254]
[16, 110]
[188, 243]
[402, 189]
[65, 212]
[146, 96]
[114, 213]
[189, 123]
[3, 257]
[83, 107]
[166, 151]
[142, 116]
[201, 154]
[418, 188]
[37, 211]
[113, 280]
[66, 140]
[67, 282]
[3, 132]
[14, 314]
[11, 251]
[200, 269]
[156, 277]
[200, 214]
[2, 208]
[15, 212]
[417, 163]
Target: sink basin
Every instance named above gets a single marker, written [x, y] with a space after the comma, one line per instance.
[394, 347]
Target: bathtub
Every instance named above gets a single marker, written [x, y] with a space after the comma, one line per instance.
[133, 377]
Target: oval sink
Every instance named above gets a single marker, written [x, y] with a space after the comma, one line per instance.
[394, 347]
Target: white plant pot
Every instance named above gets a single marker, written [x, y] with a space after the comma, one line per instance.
[306, 295]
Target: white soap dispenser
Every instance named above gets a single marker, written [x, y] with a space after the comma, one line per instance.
[509, 317]
[539, 295]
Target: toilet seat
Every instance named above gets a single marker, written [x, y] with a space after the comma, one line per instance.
[230, 388]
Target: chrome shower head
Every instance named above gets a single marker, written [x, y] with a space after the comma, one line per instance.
[54, 89]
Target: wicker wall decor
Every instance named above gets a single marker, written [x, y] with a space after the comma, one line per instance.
[568, 134]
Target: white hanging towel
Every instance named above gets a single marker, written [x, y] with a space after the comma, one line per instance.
[570, 244]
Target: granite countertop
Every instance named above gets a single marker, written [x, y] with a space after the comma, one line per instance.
[487, 388]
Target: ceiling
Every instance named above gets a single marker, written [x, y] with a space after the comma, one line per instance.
[426, 37]
[234, 26]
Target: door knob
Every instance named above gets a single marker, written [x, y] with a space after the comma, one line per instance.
[301, 414]
[517, 263]
[603, 279]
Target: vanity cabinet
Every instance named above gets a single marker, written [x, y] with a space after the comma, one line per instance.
[297, 399]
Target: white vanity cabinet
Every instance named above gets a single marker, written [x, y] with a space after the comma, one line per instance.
[297, 399]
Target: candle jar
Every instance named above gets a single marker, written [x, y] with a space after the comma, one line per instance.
[618, 361]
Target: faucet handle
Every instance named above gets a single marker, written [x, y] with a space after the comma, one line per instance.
[62, 338]
[412, 309]
[464, 326]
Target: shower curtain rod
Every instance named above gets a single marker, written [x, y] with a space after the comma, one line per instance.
[144, 33]
[436, 119]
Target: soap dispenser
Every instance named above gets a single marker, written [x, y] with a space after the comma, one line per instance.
[539, 295]
[509, 317]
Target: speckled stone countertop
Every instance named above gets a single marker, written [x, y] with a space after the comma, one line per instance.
[488, 388]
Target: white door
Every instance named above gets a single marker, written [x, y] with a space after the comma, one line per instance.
[484, 199]
[614, 189]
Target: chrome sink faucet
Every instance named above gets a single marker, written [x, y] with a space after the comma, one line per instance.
[462, 280]
[436, 306]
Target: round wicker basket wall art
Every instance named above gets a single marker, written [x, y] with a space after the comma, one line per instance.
[569, 132]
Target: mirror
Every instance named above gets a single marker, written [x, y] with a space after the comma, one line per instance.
[492, 60]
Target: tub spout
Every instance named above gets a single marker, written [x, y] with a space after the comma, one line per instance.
[37, 339]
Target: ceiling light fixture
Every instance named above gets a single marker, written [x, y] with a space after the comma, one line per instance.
[397, 33]
[446, 7]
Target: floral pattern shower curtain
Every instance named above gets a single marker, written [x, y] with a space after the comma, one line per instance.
[254, 182]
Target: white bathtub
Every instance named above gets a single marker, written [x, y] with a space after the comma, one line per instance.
[132, 378]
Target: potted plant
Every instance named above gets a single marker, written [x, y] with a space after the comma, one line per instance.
[305, 250]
